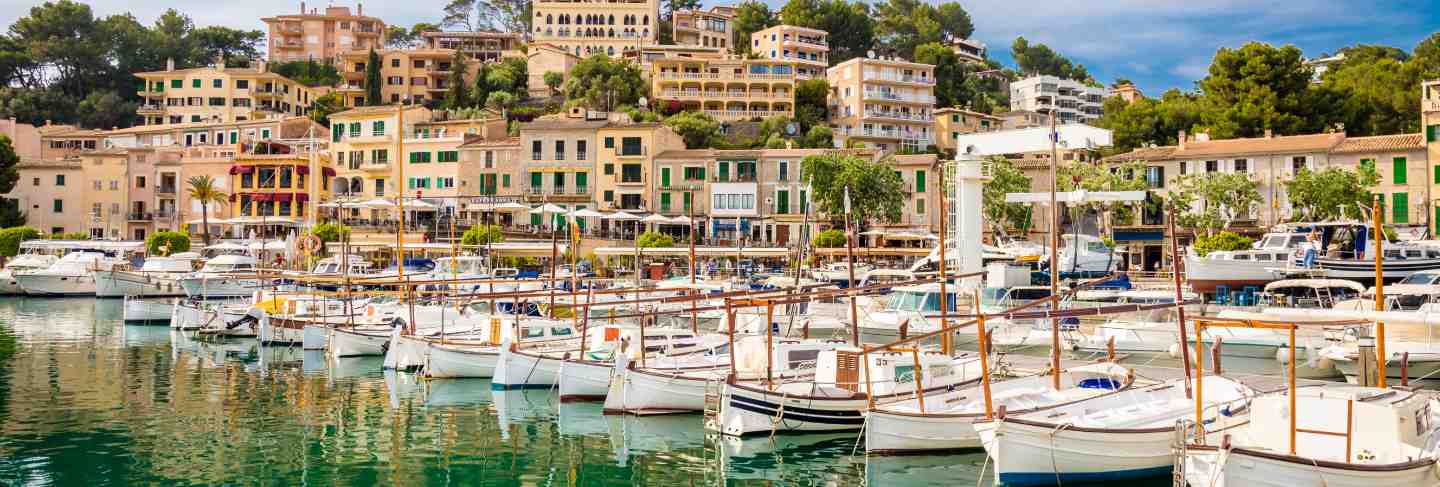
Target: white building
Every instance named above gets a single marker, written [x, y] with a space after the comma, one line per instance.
[1073, 101]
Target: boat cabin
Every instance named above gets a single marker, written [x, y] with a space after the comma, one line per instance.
[923, 298]
[229, 263]
[890, 372]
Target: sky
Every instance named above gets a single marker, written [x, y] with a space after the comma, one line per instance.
[1159, 44]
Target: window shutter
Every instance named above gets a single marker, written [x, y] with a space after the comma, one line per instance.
[1401, 204]
[920, 181]
[1400, 172]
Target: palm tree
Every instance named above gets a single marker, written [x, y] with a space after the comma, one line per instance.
[203, 190]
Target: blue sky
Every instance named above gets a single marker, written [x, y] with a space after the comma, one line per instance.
[1160, 44]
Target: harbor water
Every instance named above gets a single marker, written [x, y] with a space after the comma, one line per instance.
[86, 400]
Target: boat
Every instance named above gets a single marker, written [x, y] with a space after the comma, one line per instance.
[1110, 438]
[22, 263]
[229, 275]
[587, 377]
[839, 273]
[1338, 436]
[945, 422]
[841, 391]
[147, 310]
[1423, 360]
[1083, 256]
[1345, 250]
[72, 275]
[682, 384]
[156, 277]
[1409, 293]
[1311, 292]
[1238, 268]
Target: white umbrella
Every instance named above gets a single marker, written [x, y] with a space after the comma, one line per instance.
[379, 203]
[419, 204]
[510, 206]
[213, 221]
[547, 208]
[681, 220]
[226, 246]
[587, 213]
[620, 215]
[655, 218]
[872, 233]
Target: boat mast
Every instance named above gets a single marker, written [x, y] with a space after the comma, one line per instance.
[947, 344]
[1175, 262]
[850, 257]
[400, 208]
[800, 255]
[694, 316]
[1054, 259]
[1380, 356]
[554, 254]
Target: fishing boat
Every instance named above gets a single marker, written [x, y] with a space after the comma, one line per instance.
[229, 275]
[72, 275]
[137, 310]
[1248, 267]
[682, 384]
[587, 377]
[1346, 250]
[156, 277]
[1423, 360]
[839, 273]
[841, 391]
[22, 263]
[945, 422]
[1110, 438]
[1333, 436]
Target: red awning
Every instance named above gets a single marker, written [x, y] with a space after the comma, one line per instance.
[329, 172]
[283, 197]
[232, 197]
[261, 197]
[302, 169]
[302, 197]
[242, 169]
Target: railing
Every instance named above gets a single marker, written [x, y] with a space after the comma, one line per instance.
[875, 75]
[743, 114]
[733, 178]
[621, 152]
[728, 76]
[164, 189]
[881, 95]
[165, 214]
[150, 107]
[919, 117]
[140, 216]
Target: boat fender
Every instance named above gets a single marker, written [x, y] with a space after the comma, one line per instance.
[1283, 356]
[1174, 350]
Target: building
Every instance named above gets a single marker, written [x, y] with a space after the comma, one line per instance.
[416, 75]
[714, 28]
[1022, 119]
[24, 138]
[218, 94]
[646, 56]
[1072, 101]
[322, 36]
[1128, 92]
[546, 58]
[433, 167]
[66, 141]
[365, 145]
[883, 103]
[1430, 125]
[727, 89]
[808, 48]
[486, 47]
[275, 181]
[923, 183]
[969, 50]
[596, 27]
[626, 178]
[558, 154]
[952, 122]
[491, 169]
[1322, 64]
[1401, 163]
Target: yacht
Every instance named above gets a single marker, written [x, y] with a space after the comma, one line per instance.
[22, 263]
[839, 272]
[157, 277]
[229, 275]
[72, 275]
[1249, 267]
[1083, 256]
[1346, 250]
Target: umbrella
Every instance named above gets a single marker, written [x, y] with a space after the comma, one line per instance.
[226, 246]
[587, 213]
[379, 203]
[213, 221]
[419, 204]
[655, 218]
[620, 215]
[547, 208]
[510, 206]
[872, 233]
[681, 220]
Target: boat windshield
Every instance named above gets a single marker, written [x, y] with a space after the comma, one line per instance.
[909, 301]
[1420, 278]
[1282, 241]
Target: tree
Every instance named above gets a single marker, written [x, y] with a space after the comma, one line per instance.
[1331, 194]
[308, 72]
[1151, 120]
[1372, 92]
[949, 72]
[11, 237]
[850, 24]
[482, 235]
[202, 190]
[1425, 58]
[1205, 244]
[1090, 176]
[876, 190]
[1213, 200]
[1040, 59]
[698, 129]
[106, 110]
[829, 239]
[1258, 87]
[167, 243]
[1005, 179]
[751, 16]
[330, 232]
[811, 98]
[8, 159]
[458, 96]
[372, 80]
[604, 83]
[326, 105]
[819, 137]
[904, 24]
[655, 239]
[397, 37]
[553, 80]
[500, 101]
[471, 15]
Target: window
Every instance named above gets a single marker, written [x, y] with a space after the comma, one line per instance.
[354, 129]
[631, 146]
[140, 182]
[695, 174]
[1241, 165]
[920, 182]
[1399, 170]
[58, 206]
[264, 134]
[380, 156]
[664, 201]
[919, 206]
[377, 128]
[1212, 166]
[395, 63]
[419, 157]
[686, 197]
[535, 150]
[664, 177]
[1297, 163]
[418, 63]
[582, 181]
[1155, 176]
[242, 84]
[1367, 165]
[630, 173]
[609, 195]
[444, 183]
[559, 150]
[579, 150]
[60, 180]
[724, 173]
[194, 83]
[610, 169]
[558, 180]
[1401, 204]
[504, 180]
[782, 202]
[219, 83]
[537, 181]
[784, 171]
[36, 181]
[96, 185]
[609, 142]
[1432, 133]
[114, 185]
[489, 159]
[448, 156]
[217, 101]
[177, 83]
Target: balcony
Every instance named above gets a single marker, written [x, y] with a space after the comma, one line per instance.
[731, 115]
[733, 178]
[683, 186]
[150, 109]
[289, 44]
[375, 166]
[624, 152]
[672, 75]
[165, 214]
[899, 78]
[1430, 105]
[578, 194]
[165, 190]
[912, 117]
[140, 216]
[894, 97]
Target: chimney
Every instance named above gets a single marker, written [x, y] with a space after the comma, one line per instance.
[220, 61]
[1269, 134]
[1203, 136]
[1182, 140]
[169, 64]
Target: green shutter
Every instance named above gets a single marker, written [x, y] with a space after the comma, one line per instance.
[1432, 132]
[664, 177]
[535, 219]
[920, 181]
[378, 127]
[804, 203]
[1401, 206]
[234, 137]
[687, 198]
[702, 174]
[582, 180]
[559, 179]
[782, 202]
[724, 172]
[505, 180]
[354, 129]
[1401, 175]
[195, 83]
[536, 180]
[664, 201]
[337, 130]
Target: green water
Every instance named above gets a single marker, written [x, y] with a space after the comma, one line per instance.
[88, 401]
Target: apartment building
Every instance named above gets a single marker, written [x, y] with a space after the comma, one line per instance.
[727, 89]
[882, 103]
[1071, 101]
[491, 169]
[557, 157]
[416, 75]
[365, 145]
[219, 94]
[66, 141]
[922, 176]
[1022, 119]
[433, 167]
[482, 46]
[588, 27]
[952, 122]
[969, 50]
[322, 35]
[646, 56]
[626, 176]
[1430, 125]
[808, 48]
[278, 186]
[1401, 163]
[222, 135]
[1128, 92]
[713, 28]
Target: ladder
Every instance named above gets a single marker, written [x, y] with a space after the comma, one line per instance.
[714, 393]
[1178, 450]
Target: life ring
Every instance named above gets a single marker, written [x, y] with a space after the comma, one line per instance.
[310, 244]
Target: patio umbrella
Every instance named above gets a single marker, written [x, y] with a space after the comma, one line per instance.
[419, 205]
[379, 203]
[226, 246]
[510, 206]
[681, 220]
[655, 218]
[547, 208]
[620, 216]
[587, 213]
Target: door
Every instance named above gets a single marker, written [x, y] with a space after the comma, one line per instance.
[847, 370]
[782, 235]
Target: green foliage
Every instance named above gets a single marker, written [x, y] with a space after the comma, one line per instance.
[904, 24]
[397, 37]
[68, 236]
[829, 239]
[308, 72]
[698, 129]
[955, 82]
[553, 80]
[1149, 120]
[458, 96]
[482, 235]
[1090, 176]
[202, 190]
[638, 116]
[500, 100]
[1331, 194]
[326, 105]
[8, 158]
[1225, 240]
[877, 193]
[850, 24]
[478, 15]
[1040, 59]
[818, 137]
[811, 98]
[106, 110]
[1258, 87]
[330, 232]
[1213, 200]
[10, 239]
[167, 243]
[655, 239]
[751, 16]
[1373, 91]
[603, 83]
[372, 81]
[1005, 178]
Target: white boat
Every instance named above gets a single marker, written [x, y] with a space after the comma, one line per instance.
[946, 422]
[148, 310]
[679, 384]
[1343, 437]
[72, 275]
[22, 263]
[1086, 255]
[839, 272]
[478, 353]
[1111, 438]
[229, 275]
[1423, 360]
[841, 391]
[587, 378]
[194, 314]
[1238, 268]
[158, 276]
[1410, 293]
[1346, 250]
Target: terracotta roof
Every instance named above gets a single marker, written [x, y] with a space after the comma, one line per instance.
[1382, 143]
[1144, 154]
[916, 159]
[67, 131]
[48, 164]
[508, 141]
[229, 71]
[143, 129]
[686, 154]
[358, 111]
[1289, 144]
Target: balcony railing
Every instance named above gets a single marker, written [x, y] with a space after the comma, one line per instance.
[883, 95]
[165, 189]
[733, 178]
[140, 216]
[875, 75]
[150, 107]
[918, 117]
[744, 114]
[623, 152]
[727, 76]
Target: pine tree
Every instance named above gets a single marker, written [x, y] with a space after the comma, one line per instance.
[372, 80]
[459, 95]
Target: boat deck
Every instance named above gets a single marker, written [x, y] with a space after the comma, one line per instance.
[1150, 374]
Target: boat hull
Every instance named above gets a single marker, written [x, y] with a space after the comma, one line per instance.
[119, 284]
[449, 362]
[582, 380]
[148, 310]
[405, 353]
[1244, 467]
[355, 343]
[638, 391]
[218, 287]
[900, 433]
[523, 370]
[1204, 275]
[57, 284]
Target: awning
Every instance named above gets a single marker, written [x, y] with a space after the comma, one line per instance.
[302, 169]
[302, 197]
[329, 172]
[699, 251]
[282, 197]
[241, 169]
[262, 197]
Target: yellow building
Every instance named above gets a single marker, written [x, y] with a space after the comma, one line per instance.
[727, 89]
[884, 103]
[318, 35]
[365, 146]
[279, 185]
[808, 48]
[1430, 125]
[219, 94]
[625, 163]
[596, 27]
[713, 28]
[952, 122]
[415, 74]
